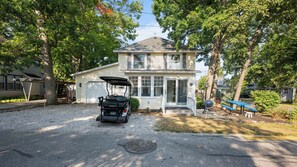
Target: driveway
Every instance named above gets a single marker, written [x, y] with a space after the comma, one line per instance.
[68, 135]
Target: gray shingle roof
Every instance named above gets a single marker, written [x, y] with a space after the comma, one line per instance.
[153, 44]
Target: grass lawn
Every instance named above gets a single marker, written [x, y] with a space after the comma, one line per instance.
[251, 131]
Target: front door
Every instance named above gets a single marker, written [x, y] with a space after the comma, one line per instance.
[176, 92]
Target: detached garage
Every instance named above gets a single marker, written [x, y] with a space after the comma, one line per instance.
[88, 84]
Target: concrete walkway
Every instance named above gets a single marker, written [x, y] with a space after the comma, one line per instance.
[7, 107]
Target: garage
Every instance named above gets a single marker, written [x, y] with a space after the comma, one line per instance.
[95, 89]
[89, 86]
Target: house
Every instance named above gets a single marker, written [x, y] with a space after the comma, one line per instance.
[11, 85]
[29, 83]
[162, 77]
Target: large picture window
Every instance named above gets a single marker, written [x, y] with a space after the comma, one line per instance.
[134, 81]
[146, 86]
[158, 86]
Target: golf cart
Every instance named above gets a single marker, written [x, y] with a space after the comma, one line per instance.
[115, 107]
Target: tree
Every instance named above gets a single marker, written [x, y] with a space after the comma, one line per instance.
[252, 23]
[275, 67]
[61, 33]
[195, 24]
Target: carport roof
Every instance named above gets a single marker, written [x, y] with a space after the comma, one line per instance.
[94, 69]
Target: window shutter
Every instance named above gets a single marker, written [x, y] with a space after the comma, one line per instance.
[129, 61]
[184, 61]
[148, 61]
[165, 60]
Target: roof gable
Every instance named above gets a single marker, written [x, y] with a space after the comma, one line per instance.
[153, 44]
[94, 69]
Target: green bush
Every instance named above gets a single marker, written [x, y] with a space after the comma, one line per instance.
[265, 99]
[199, 102]
[292, 115]
[134, 104]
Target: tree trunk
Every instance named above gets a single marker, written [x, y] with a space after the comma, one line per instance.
[243, 74]
[214, 68]
[49, 80]
[210, 75]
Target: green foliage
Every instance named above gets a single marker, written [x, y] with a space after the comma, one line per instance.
[202, 83]
[199, 102]
[284, 112]
[134, 104]
[12, 100]
[265, 99]
[79, 37]
[292, 116]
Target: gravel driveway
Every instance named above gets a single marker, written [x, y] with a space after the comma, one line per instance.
[75, 118]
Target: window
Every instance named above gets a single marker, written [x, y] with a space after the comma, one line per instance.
[174, 61]
[7, 82]
[136, 61]
[134, 81]
[145, 86]
[10, 82]
[158, 86]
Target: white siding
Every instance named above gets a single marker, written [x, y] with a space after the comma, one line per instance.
[83, 79]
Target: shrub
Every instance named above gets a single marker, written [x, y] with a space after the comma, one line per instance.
[292, 115]
[134, 104]
[265, 99]
[199, 102]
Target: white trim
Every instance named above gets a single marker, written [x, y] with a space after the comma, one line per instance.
[176, 79]
[94, 69]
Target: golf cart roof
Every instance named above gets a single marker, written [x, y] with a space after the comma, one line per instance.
[116, 80]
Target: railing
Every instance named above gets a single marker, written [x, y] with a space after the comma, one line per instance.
[192, 105]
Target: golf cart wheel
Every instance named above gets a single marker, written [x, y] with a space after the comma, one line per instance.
[101, 119]
[126, 119]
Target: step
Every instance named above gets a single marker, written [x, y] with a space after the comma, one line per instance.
[179, 111]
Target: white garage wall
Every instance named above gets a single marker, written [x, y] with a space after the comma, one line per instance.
[93, 76]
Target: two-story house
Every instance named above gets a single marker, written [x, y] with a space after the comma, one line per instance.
[162, 77]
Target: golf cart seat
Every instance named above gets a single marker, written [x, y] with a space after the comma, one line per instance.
[116, 98]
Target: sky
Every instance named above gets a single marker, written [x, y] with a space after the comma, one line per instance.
[149, 27]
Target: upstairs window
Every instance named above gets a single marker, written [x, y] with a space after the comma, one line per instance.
[136, 61]
[175, 61]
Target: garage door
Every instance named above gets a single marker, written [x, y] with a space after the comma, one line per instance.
[94, 90]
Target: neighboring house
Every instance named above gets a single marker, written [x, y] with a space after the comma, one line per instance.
[29, 83]
[10, 85]
[288, 94]
[162, 77]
